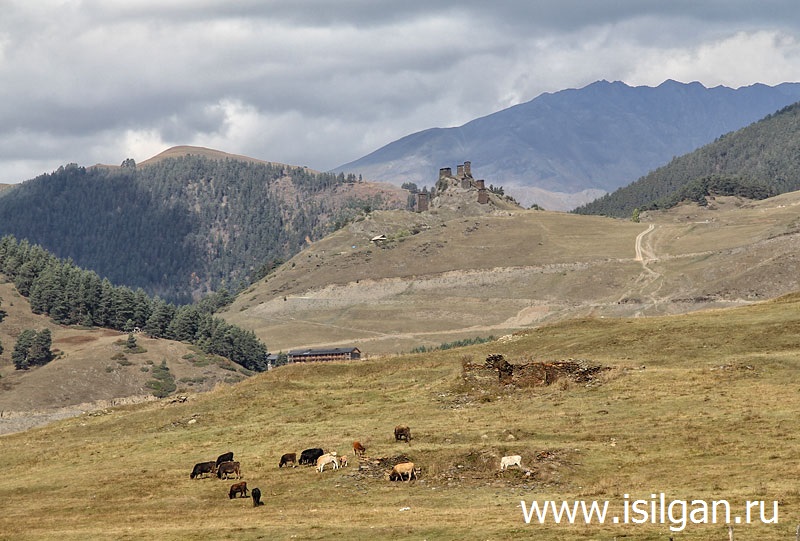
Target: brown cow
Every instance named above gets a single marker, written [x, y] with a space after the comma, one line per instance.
[359, 449]
[288, 458]
[238, 488]
[401, 470]
[402, 432]
[228, 468]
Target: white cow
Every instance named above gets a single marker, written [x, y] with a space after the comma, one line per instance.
[327, 458]
[508, 461]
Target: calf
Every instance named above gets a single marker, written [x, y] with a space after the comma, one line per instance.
[359, 449]
[342, 461]
[229, 468]
[256, 495]
[329, 458]
[238, 488]
[288, 458]
[203, 467]
[401, 470]
[310, 456]
[402, 432]
[225, 457]
[508, 461]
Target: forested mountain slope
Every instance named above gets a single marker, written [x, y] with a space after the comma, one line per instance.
[184, 225]
[758, 161]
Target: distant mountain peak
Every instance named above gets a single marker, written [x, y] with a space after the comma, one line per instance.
[564, 149]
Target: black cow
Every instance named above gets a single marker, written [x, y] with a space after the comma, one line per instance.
[310, 456]
[256, 495]
[228, 468]
[402, 432]
[288, 458]
[225, 457]
[203, 467]
[238, 488]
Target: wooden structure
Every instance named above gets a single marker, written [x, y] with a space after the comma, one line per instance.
[328, 354]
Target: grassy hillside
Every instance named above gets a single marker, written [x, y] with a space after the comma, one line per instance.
[699, 407]
[756, 161]
[442, 276]
[92, 368]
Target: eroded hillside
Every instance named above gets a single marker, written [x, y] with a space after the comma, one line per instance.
[398, 280]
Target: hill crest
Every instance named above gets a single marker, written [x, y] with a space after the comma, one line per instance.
[397, 280]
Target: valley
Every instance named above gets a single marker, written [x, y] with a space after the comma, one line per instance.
[691, 314]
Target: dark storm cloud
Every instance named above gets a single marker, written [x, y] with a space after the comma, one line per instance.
[320, 83]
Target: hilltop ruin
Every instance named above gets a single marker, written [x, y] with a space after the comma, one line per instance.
[460, 191]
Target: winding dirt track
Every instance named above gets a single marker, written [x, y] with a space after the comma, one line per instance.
[639, 237]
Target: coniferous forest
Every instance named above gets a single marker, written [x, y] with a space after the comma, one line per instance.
[756, 162]
[71, 295]
[181, 227]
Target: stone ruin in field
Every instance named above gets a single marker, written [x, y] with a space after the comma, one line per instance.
[534, 374]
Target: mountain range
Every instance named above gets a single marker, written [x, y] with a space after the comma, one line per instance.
[564, 149]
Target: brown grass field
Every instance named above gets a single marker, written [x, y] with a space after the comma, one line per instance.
[442, 276]
[699, 407]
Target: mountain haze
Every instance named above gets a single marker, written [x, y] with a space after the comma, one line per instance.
[567, 148]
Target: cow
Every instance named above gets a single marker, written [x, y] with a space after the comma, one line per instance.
[358, 449]
[229, 468]
[310, 456]
[238, 488]
[342, 461]
[401, 470]
[508, 461]
[288, 458]
[402, 432]
[203, 467]
[225, 457]
[328, 458]
[256, 495]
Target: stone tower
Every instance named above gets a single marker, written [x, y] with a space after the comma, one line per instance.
[422, 201]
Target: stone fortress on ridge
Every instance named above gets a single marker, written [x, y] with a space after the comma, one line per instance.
[459, 190]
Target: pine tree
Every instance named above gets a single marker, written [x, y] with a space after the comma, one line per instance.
[20, 354]
[39, 353]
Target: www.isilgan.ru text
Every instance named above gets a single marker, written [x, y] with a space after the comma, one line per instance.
[676, 513]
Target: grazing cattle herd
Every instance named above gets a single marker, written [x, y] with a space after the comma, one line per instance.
[224, 466]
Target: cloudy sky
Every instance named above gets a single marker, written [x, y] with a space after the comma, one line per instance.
[324, 82]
